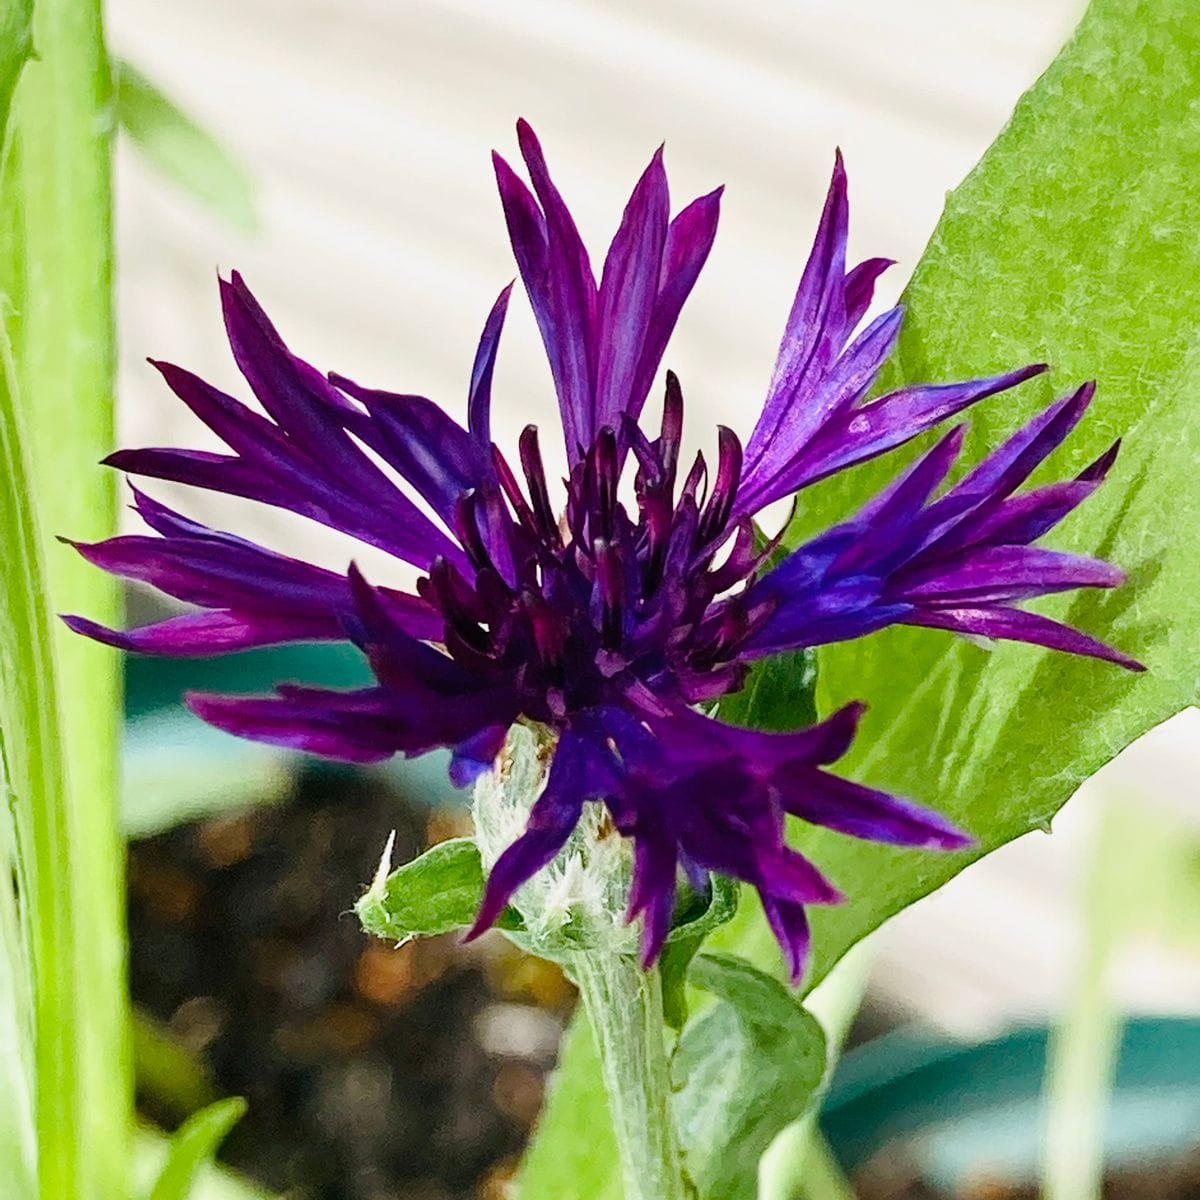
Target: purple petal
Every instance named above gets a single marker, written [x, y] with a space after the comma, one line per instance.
[816, 325]
[561, 287]
[477, 755]
[787, 875]
[217, 570]
[297, 400]
[479, 400]
[901, 501]
[217, 575]
[195, 635]
[789, 462]
[336, 476]
[871, 429]
[789, 924]
[439, 458]
[347, 726]
[390, 522]
[1021, 519]
[965, 514]
[243, 430]
[652, 895]
[1007, 467]
[995, 574]
[628, 292]
[1025, 518]
[834, 610]
[689, 240]
[860, 287]
[400, 661]
[1016, 625]
[863, 812]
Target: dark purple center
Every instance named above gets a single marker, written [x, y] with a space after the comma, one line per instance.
[572, 613]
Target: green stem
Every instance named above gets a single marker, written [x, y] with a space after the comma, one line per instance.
[64, 348]
[624, 1006]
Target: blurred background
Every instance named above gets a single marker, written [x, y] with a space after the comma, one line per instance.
[375, 240]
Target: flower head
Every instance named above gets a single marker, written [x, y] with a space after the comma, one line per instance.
[608, 622]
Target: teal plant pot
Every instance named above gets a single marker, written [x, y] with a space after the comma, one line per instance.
[976, 1111]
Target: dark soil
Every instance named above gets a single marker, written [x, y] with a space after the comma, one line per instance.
[372, 1073]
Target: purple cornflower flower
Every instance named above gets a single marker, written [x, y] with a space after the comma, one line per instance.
[612, 623]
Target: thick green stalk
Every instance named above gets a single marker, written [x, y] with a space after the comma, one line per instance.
[624, 1006]
[63, 340]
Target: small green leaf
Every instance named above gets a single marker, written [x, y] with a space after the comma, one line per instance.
[182, 150]
[213, 1181]
[683, 942]
[194, 1146]
[780, 694]
[746, 1068]
[436, 893]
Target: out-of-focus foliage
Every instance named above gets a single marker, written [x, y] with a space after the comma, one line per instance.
[184, 151]
[61, 699]
[1143, 881]
[150, 1154]
[192, 1148]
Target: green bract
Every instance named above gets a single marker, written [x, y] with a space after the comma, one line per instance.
[436, 893]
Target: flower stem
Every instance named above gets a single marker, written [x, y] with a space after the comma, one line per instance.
[625, 1008]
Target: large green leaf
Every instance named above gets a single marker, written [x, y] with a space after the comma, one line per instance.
[29, 772]
[1074, 241]
[574, 1155]
[19, 585]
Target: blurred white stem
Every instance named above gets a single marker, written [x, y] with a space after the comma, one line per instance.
[1082, 1053]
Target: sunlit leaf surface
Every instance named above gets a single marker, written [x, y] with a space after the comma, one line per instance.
[1074, 242]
